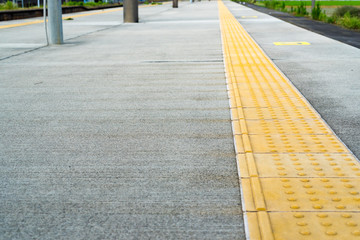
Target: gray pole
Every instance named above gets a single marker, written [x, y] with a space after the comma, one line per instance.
[312, 4]
[131, 11]
[175, 3]
[55, 22]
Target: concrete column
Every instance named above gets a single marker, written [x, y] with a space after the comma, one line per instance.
[131, 11]
[175, 3]
[55, 22]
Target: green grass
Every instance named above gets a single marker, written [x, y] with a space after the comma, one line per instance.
[8, 6]
[350, 22]
[345, 15]
[324, 3]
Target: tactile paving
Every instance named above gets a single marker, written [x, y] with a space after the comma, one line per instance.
[309, 194]
[278, 113]
[310, 225]
[296, 143]
[312, 165]
[298, 179]
[290, 126]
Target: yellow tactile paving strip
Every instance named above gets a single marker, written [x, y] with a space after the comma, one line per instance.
[298, 179]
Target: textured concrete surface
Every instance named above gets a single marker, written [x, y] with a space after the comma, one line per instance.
[124, 131]
[121, 133]
[326, 72]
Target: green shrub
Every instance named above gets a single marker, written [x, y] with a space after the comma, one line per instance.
[8, 6]
[333, 19]
[341, 11]
[316, 12]
[323, 17]
[301, 10]
[350, 22]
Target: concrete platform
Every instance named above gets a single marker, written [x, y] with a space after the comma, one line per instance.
[124, 132]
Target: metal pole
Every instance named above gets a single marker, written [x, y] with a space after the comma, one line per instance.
[312, 4]
[38, 3]
[175, 3]
[55, 22]
[131, 11]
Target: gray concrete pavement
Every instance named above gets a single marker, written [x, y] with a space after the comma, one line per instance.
[123, 132]
[326, 72]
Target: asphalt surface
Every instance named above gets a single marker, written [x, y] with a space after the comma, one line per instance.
[351, 37]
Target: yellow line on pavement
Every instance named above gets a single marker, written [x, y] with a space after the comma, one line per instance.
[298, 180]
[21, 24]
[73, 16]
[291, 43]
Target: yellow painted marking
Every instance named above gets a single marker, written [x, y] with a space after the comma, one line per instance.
[291, 43]
[298, 180]
[249, 16]
[21, 24]
[73, 16]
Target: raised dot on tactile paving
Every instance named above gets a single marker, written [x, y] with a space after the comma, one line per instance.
[351, 224]
[326, 224]
[305, 232]
[310, 192]
[317, 206]
[331, 233]
[356, 232]
[346, 215]
[349, 186]
[294, 206]
[314, 199]
[301, 223]
[336, 199]
[292, 199]
[289, 192]
[298, 215]
[340, 206]
[322, 215]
